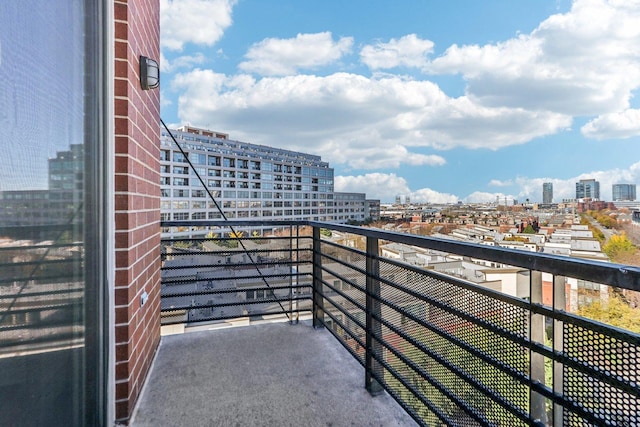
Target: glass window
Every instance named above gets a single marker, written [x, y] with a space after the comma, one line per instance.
[198, 159]
[51, 357]
[179, 157]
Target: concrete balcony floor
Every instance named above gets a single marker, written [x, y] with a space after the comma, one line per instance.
[271, 374]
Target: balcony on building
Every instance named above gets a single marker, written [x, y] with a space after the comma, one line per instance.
[298, 322]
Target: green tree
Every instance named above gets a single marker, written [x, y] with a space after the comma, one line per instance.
[529, 230]
[619, 246]
[607, 221]
[614, 311]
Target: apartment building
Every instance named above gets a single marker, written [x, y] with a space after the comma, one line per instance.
[350, 206]
[623, 192]
[247, 181]
[588, 189]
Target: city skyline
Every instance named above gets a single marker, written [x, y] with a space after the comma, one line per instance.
[436, 101]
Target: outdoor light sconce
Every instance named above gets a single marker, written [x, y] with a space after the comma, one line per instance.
[149, 73]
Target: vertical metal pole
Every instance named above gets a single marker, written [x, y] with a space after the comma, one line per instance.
[291, 274]
[296, 255]
[559, 304]
[318, 303]
[537, 402]
[373, 326]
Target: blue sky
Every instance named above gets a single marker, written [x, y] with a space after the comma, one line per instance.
[440, 101]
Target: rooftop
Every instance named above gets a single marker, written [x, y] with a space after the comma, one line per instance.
[267, 374]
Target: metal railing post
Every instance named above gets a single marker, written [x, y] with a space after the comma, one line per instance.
[559, 304]
[318, 302]
[373, 326]
[537, 402]
[291, 270]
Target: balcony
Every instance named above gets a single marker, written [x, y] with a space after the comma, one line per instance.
[447, 349]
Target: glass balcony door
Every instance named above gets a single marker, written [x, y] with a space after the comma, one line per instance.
[52, 199]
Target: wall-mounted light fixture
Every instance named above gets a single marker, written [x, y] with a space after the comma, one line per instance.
[149, 73]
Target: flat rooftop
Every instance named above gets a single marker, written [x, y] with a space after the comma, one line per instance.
[270, 374]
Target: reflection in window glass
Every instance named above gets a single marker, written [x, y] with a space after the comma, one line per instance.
[45, 274]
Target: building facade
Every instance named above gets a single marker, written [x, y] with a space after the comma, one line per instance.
[547, 193]
[239, 180]
[623, 192]
[588, 189]
[372, 209]
[350, 207]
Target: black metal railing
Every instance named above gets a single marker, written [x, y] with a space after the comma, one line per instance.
[451, 350]
[219, 277]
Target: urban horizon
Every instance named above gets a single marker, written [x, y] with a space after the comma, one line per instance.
[401, 100]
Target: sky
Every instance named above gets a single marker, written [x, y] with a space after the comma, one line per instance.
[441, 101]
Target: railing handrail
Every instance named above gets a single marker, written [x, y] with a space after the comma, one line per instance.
[618, 275]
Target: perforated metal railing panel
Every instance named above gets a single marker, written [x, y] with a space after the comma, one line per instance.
[436, 337]
[603, 380]
[344, 281]
[227, 278]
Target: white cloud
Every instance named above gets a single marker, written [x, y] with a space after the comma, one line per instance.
[387, 186]
[181, 62]
[278, 57]
[624, 124]
[427, 195]
[408, 51]
[193, 21]
[376, 185]
[499, 183]
[584, 62]
[348, 118]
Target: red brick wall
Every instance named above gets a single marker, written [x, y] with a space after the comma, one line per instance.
[137, 200]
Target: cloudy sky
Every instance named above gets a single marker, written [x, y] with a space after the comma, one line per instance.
[441, 101]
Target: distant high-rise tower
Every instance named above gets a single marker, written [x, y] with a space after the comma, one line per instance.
[398, 200]
[547, 192]
[588, 189]
[623, 192]
[407, 200]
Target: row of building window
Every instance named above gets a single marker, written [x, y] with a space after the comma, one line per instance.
[185, 205]
[186, 216]
[231, 194]
[229, 162]
[217, 183]
[225, 173]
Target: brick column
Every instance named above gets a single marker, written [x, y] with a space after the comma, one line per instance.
[137, 200]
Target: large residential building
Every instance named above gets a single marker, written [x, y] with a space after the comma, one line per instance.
[247, 181]
[588, 189]
[623, 192]
[547, 192]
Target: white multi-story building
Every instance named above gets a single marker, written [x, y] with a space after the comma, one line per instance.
[248, 181]
[350, 206]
